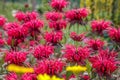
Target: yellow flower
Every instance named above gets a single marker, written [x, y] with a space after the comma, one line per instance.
[76, 69]
[47, 77]
[19, 69]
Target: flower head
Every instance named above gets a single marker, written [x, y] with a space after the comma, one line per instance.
[25, 17]
[50, 67]
[58, 25]
[95, 44]
[33, 26]
[105, 62]
[58, 5]
[2, 20]
[43, 51]
[77, 37]
[114, 34]
[53, 37]
[74, 54]
[11, 25]
[15, 57]
[11, 76]
[54, 16]
[77, 15]
[29, 76]
[100, 26]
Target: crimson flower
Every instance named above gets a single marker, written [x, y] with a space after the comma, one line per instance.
[43, 51]
[53, 37]
[50, 67]
[54, 16]
[15, 57]
[17, 34]
[29, 76]
[95, 44]
[25, 17]
[114, 34]
[33, 26]
[100, 26]
[11, 76]
[58, 25]
[77, 37]
[105, 62]
[2, 20]
[76, 15]
[74, 54]
[11, 25]
[2, 42]
[20, 16]
[58, 5]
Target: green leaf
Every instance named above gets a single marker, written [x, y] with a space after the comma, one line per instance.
[88, 65]
[68, 74]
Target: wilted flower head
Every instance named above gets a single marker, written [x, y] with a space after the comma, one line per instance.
[74, 54]
[29, 76]
[114, 34]
[11, 76]
[15, 57]
[105, 62]
[54, 16]
[51, 67]
[77, 15]
[43, 51]
[58, 5]
[99, 26]
[53, 37]
[25, 17]
[77, 37]
[58, 25]
[2, 20]
[95, 44]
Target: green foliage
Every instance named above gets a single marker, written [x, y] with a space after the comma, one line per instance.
[103, 9]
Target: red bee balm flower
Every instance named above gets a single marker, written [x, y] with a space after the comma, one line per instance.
[53, 37]
[11, 76]
[20, 16]
[74, 54]
[25, 17]
[43, 51]
[114, 34]
[11, 25]
[77, 37]
[15, 57]
[29, 76]
[50, 67]
[105, 62]
[53, 16]
[58, 5]
[58, 25]
[100, 26]
[76, 15]
[34, 26]
[2, 20]
[95, 44]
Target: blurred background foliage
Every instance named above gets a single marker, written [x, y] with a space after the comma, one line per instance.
[100, 9]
